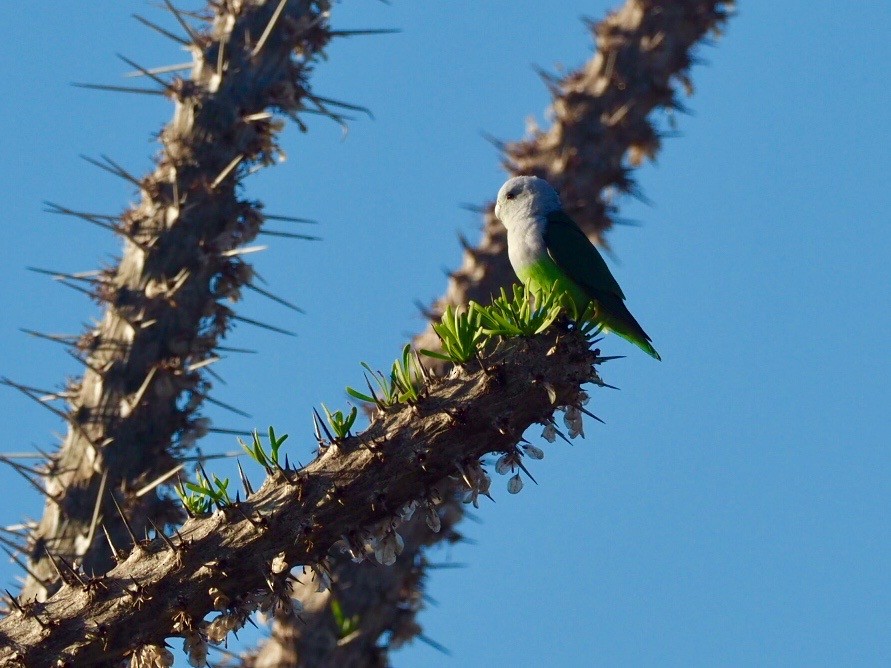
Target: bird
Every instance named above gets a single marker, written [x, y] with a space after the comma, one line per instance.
[546, 247]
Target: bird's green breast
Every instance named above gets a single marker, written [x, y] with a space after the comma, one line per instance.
[544, 273]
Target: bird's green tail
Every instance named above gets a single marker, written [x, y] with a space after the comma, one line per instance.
[615, 317]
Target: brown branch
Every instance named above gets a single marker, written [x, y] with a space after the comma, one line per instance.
[163, 312]
[239, 558]
[602, 129]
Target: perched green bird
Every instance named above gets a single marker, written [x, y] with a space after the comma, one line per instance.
[546, 248]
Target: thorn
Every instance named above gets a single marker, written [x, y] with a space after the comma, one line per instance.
[560, 433]
[248, 490]
[25, 568]
[203, 363]
[13, 545]
[227, 170]
[95, 519]
[316, 430]
[88, 293]
[159, 480]
[160, 534]
[300, 124]
[257, 323]
[343, 105]
[159, 29]
[84, 276]
[324, 427]
[377, 401]
[421, 366]
[497, 143]
[149, 74]
[28, 392]
[220, 455]
[526, 471]
[254, 523]
[445, 566]
[90, 218]
[290, 219]
[137, 398]
[425, 311]
[55, 565]
[274, 298]
[83, 360]
[627, 222]
[551, 81]
[176, 13]
[64, 339]
[600, 383]
[114, 550]
[590, 414]
[234, 432]
[41, 490]
[475, 208]
[70, 568]
[37, 390]
[229, 349]
[124, 520]
[607, 358]
[324, 111]
[289, 235]
[435, 645]
[221, 58]
[268, 30]
[120, 89]
[14, 602]
[113, 168]
[243, 251]
[221, 404]
[217, 376]
[364, 31]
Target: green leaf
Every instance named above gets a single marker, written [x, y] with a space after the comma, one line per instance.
[355, 394]
[436, 355]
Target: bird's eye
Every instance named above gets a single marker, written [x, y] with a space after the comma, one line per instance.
[511, 195]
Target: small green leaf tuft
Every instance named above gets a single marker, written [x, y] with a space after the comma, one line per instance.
[461, 335]
[522, 313]
[340, 423]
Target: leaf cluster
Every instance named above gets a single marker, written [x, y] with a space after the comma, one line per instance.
[256, 451]
[201, 496]
[403, 385]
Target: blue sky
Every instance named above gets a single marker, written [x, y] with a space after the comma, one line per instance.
[734, 508]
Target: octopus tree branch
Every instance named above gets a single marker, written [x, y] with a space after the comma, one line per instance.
[135, 410]
[355, 493]
[603, 127]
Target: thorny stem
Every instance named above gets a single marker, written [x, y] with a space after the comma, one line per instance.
[239, 558]
[134, 411]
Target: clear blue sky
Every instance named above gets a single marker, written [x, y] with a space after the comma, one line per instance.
[734, 510]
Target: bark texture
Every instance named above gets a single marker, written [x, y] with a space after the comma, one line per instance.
[354, 494]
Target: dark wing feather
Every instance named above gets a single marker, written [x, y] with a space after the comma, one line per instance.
[571, 250]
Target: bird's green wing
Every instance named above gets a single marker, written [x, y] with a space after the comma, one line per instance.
[576, 255]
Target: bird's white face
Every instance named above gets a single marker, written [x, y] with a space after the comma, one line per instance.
[525, 197]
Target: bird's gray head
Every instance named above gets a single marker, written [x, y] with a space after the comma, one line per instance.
[526, 197]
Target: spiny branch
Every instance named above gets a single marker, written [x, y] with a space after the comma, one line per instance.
[239, 559]
[164, 303]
